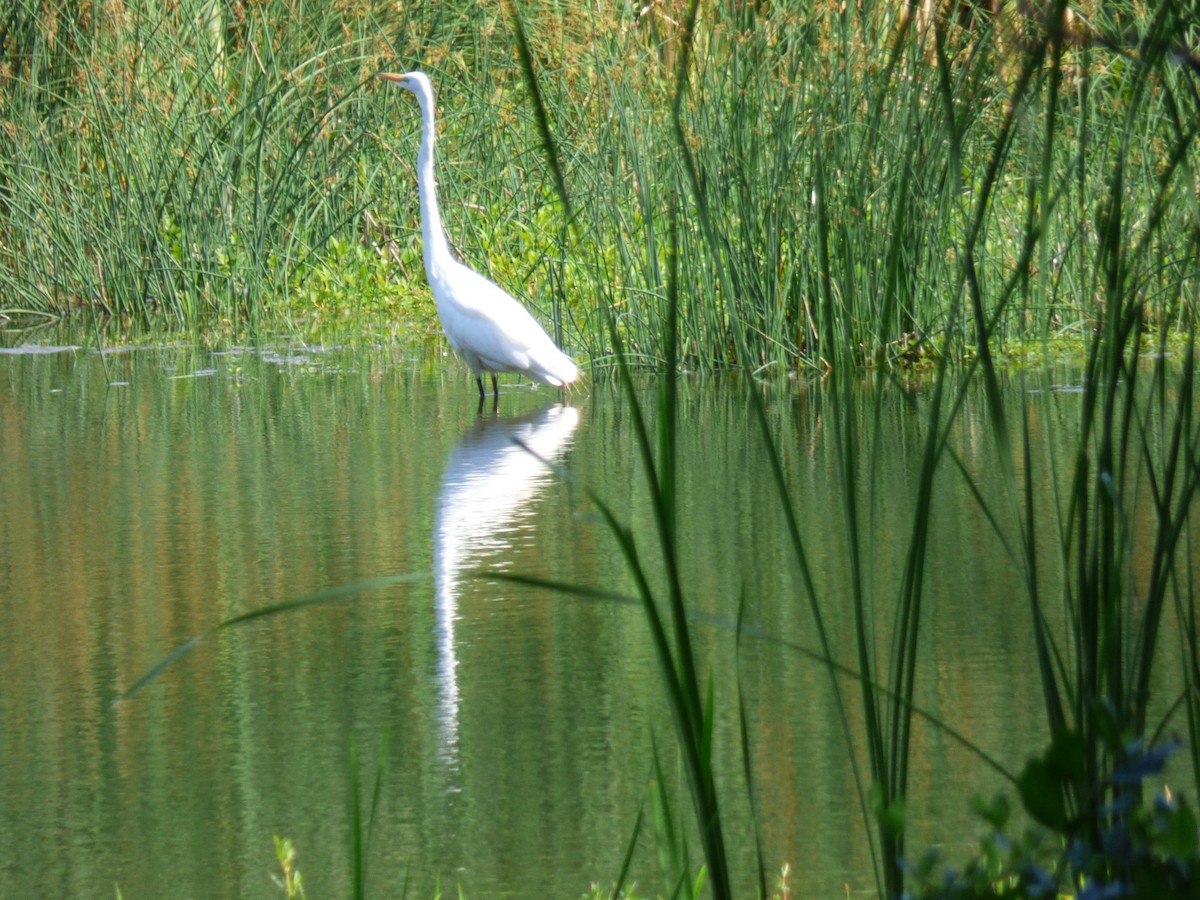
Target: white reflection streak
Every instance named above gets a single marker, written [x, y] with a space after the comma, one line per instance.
[489, 478]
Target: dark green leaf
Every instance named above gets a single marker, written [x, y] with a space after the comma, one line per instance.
[1042, 796]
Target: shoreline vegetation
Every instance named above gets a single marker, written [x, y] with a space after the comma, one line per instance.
[864, 184]
[825, 189]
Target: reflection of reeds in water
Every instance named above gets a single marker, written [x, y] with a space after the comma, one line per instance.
[492, 474]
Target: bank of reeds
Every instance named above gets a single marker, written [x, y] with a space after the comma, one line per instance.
[859, 182]
[178, 164]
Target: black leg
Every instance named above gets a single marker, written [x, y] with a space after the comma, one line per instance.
[479, 381]
[495, 388]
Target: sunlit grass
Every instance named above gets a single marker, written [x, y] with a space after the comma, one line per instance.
[836, 172]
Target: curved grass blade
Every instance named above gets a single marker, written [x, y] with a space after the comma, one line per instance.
[806, 574]
[627, 862]
[744, 734]
[539, 107]
[182, 650]
[836, 668]
[564, 587]
[360, 839]
[318, 598]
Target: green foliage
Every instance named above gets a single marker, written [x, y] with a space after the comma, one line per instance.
[1097, 705]
[292, 882]
[1148, 851]
[355, 285]
[191, 164]
[849, 181]
[1096, 672]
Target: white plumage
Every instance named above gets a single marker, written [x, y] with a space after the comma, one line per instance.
[490, 330]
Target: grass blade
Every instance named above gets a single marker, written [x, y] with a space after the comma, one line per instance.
[318, 598]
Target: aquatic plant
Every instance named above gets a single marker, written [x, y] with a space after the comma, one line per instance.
[1095, 676]
[853, 183]
[291, 882]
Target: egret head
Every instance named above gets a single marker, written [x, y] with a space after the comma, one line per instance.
[417, 82]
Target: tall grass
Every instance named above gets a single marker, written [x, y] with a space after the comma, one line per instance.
[180, 163]
[861, 181]
[858, 288]
[1096, 678]
[838, 164]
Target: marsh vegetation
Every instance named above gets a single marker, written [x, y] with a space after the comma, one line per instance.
[838, 191]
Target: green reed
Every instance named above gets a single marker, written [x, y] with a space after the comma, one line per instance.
[189, 167]
[1097, 678]
[856, 179]
[855, 183]
[1075, 236]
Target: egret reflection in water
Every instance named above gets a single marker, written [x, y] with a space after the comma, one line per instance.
[487, 490]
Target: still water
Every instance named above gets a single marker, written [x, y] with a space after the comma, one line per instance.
[147, 494]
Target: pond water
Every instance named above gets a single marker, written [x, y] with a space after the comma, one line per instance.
[148, 494]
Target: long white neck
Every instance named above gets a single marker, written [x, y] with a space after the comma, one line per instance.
[437, 250]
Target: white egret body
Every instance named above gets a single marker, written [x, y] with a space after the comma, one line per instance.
[490, 330]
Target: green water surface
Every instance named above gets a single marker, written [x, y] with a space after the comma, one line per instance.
[147, 494]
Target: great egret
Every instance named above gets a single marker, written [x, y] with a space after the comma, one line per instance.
[490, 330]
